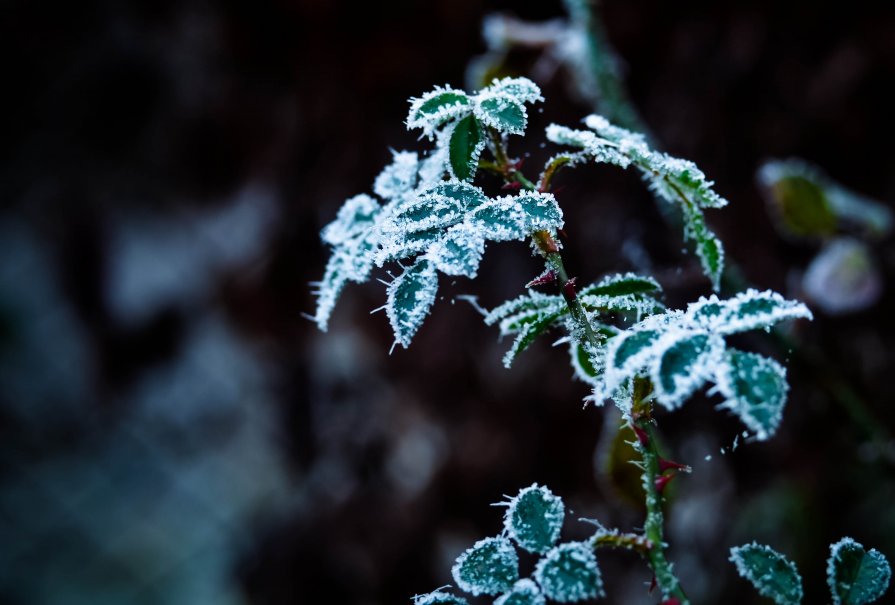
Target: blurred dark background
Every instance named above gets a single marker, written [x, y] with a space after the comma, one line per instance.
[174, 431]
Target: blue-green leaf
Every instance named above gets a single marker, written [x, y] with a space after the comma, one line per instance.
[399, 177]
[501, 112]
[410, 296]
[490, 566]
[772, 574]
[436, 108]
[569, 573]
[521, 89]
[626, 284]
[682, 364]
[524, 592]
[459, 252]
[534, 518]
[747, 310]
[856, 576]
[355, 216]
[528, 327]
[708, 247]
[465, 147]
[754, 388]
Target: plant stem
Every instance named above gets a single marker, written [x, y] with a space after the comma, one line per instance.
[651, 544]
[653, 527]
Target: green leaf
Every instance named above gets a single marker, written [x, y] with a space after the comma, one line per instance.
[490, 566]
[355, 216]
[436, 108]
[467, 196]
[410, 296]
[540, 210]
[529, 327]
[439, 598]
[755, 389]
[583, 364]
[521, 89]
[524, 592]
[746, 311]
[708, 247]
[501, 112]
[623, 285]
[630, 348]
[534, 518]
[772, 574]
[467, 142]
[520, 305]
[683, 365]
[855, 576]
[799, 203]
[403, 245]
[459, 252]
[569, 573]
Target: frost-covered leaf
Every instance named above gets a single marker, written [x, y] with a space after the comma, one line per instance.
[747, 310]
[427, 211]
[399, 177]
[490, 566]
[522, 89]
[464, 195]
[501, 112]
[410, 296]
[569, 573]
[626, 354]
[439, 598]
[528, 327]
[540, 210]
[856, 576]
[404, 245]
[328, 289]
[510, 312]
[677, 181]
[524, 592]
[465, 147]
[459, 252]
[437, 107]
[772, 574]
[516, 217]
[708, 247]
[754, 389]
[683, 362]
[355, 216]
[623, 285]
[534, 518]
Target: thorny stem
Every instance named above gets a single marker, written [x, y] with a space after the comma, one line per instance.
[655, 519]
[653, 547]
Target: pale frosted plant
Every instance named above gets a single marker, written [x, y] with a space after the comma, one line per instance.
[432, 219]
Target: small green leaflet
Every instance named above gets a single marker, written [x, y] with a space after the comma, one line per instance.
[410, 295]
[522, 90]
[490, 566]
[856, 576]
[754, 388]
[626, 284]
[501, 112]
[708, 247]
[569, 573]
[772, 574]
[465, 147]
[684, 365]
[534, 518]
[435, 108]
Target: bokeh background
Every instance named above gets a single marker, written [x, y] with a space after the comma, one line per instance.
[175, 431]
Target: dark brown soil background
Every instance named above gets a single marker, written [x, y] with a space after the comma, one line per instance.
[174, 431]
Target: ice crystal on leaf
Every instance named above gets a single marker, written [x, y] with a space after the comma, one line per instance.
[490, 566]
[681, 351]
[856, 576]
[773, 575]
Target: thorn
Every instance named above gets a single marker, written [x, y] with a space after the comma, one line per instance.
[665, 465]
[568, 289]
[642, 436]
[513, 186]
[562, 234]
[662, 481]
[548, 277]
[653, 584]
[670, 601]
